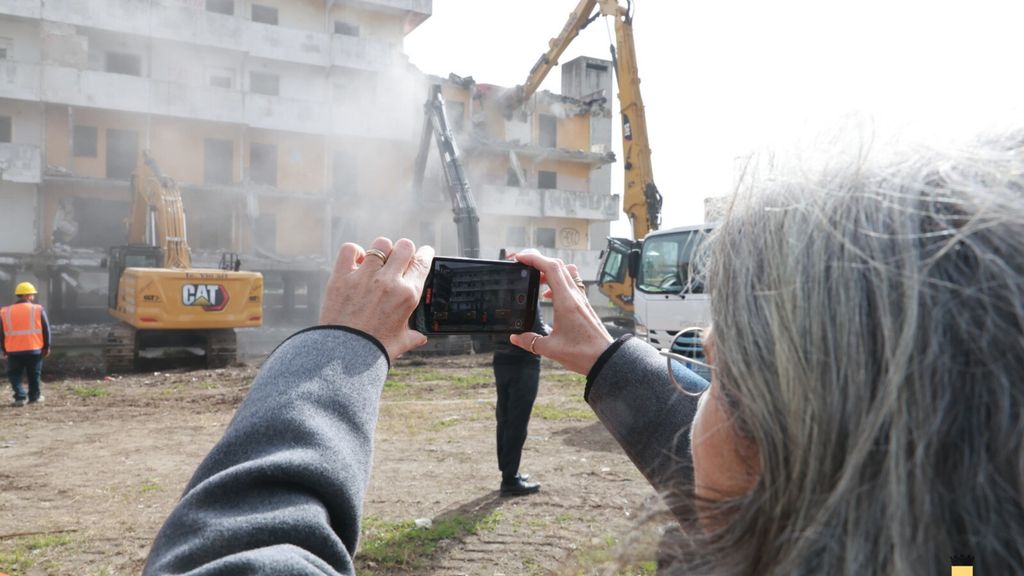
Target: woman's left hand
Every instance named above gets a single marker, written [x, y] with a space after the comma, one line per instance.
[378, 295]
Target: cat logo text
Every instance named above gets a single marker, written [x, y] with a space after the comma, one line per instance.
[211, 297]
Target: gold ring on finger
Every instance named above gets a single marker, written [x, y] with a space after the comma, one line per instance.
[378, 254]
[534, 343]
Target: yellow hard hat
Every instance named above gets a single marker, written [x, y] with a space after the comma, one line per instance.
[25, 289]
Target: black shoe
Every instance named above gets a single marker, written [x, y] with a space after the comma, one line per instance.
[518, 486]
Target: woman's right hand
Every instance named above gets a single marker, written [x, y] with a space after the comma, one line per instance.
[578, 337]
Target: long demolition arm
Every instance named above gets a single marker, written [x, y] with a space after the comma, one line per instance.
[158, 214]
[641, 200]
[467, 221]
[578, 20]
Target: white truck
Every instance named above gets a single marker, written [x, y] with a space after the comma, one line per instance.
[666, 298]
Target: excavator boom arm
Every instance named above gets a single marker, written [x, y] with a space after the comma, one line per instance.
[158, 214]
[578, 20]
[467, 220]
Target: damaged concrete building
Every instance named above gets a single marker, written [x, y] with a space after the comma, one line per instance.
[289, 125]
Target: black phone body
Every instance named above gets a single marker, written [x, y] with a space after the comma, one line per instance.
[469, 296]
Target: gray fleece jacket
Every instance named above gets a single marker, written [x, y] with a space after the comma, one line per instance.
[282, 491]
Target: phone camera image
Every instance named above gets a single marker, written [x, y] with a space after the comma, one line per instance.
[465, 296]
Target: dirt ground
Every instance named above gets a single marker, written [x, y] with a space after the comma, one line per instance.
[87, 479]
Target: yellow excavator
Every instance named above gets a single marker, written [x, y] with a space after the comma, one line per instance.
[160, 300]
[641, 200]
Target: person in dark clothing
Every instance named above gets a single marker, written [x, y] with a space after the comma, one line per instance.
[517, 378]
[25, 341]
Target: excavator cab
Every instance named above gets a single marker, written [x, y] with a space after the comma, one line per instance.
[616, 272]
[129, 256]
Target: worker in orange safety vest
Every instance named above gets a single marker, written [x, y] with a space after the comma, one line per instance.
[25, 341]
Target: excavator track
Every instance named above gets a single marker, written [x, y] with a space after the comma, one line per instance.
[119, 349]
[221, 348]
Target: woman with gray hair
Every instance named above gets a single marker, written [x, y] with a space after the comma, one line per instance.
[865, 413]
[866, 408]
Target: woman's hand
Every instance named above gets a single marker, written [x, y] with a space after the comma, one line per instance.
[378, 297]
[578, 336]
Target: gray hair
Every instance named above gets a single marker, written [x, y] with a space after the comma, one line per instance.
[869, 338]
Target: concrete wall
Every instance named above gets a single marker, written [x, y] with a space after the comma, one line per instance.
[58, 137]
[18, 233]
[26, 121]
[22, 39]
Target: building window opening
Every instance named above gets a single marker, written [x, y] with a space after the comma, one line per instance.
[346, 28]
[548, 135]
[226, 7]
[124, 63]
[544, 238]
[5, 48]
[264, 83]
[122, 153]
[547, 180]
[266, 232]
[263, 163]
[456, 112]
[84, 141]
[5, 129]
[222, 78]
[345, 176]
[218, 157]
[515, 237]
[264, 14]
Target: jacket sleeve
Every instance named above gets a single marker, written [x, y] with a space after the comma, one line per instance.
[282, 491]
[46, 329]
[631, 393]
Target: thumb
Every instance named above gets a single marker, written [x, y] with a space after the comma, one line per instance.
[529, 341]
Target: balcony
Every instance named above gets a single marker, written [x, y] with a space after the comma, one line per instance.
[513, 201]
[276, 113]
[288, 44]
[19, 80]
[95, 89]
[587, 261]
[174, 20]
[361, 53]
[23, 8]
[20, 163]
[415, 11]
[385, 122]
[200, 102]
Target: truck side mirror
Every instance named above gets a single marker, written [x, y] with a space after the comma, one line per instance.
[633, 263]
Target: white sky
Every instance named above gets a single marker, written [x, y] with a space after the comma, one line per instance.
[727, 78]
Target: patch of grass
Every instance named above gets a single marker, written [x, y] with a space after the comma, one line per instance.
[554, 412]
[445, 423]
[149, 485]
[476, 379]
[403, 545]
[89, 391]
[564, 378]
[25, 552]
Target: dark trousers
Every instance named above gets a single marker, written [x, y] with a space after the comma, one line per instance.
[32, 364]
[516, 375]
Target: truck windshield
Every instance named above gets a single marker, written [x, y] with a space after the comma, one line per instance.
[665, 263]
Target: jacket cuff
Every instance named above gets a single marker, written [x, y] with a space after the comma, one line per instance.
[595, 370]
[355, 331]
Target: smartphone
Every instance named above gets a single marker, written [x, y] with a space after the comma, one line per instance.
[469, 296]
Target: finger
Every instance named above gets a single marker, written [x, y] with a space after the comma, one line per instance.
[348, 256]
[526, 339]
[419, 267]
[548, 293]
[373, 263]
[400, 258]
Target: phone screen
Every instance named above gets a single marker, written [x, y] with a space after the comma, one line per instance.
[467, 296]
